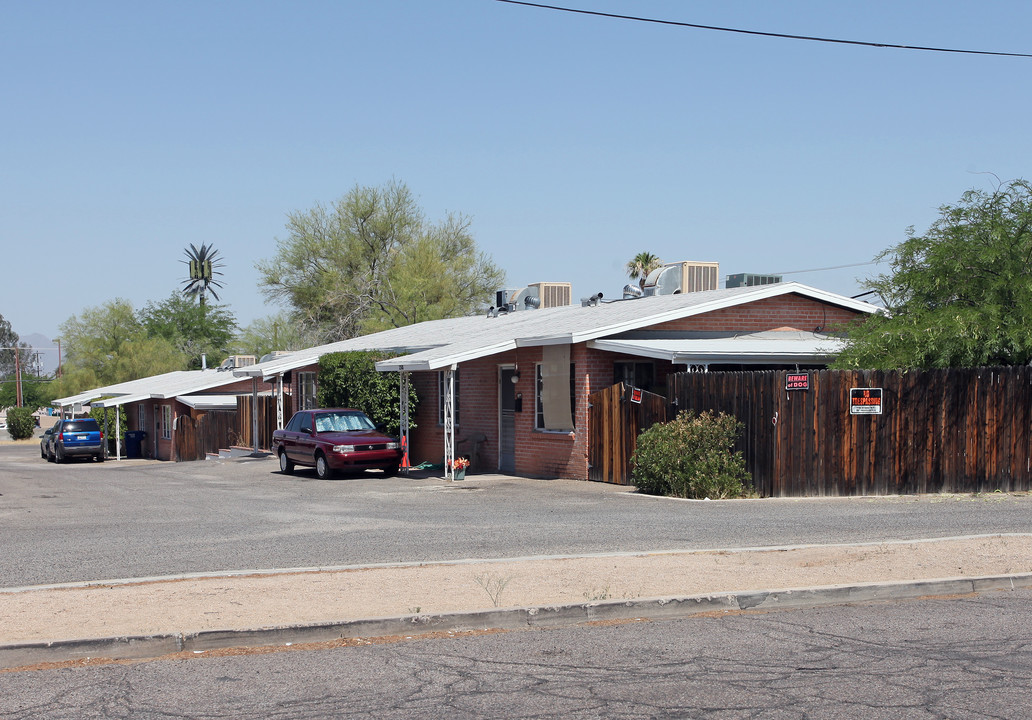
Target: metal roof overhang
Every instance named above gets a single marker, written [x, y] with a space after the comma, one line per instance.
[80, 398]
[209, 402]
[120, 400]
[443, 357]
[745, 350]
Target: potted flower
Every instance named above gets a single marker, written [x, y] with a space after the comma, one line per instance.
[458, 466]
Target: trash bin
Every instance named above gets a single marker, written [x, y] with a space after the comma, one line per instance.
[134, 443]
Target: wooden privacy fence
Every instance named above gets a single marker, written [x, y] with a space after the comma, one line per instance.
[615, 417]
[957, 430]
[222, 429]
[266, 419]
[206, 434]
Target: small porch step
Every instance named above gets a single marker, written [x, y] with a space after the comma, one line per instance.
[230, 452]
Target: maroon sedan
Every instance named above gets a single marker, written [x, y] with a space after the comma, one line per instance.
[335, 439]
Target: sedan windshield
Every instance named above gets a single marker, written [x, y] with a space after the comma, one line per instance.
[342, 422]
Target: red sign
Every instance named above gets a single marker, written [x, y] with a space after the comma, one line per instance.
[636, 395]
[797, 381]
[865, 401]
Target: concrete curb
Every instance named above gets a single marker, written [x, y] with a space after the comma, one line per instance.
[153, 646]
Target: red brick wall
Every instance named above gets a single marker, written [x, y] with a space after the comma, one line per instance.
[478, 411]
[538, 454]
[785, 312]
[545, 454]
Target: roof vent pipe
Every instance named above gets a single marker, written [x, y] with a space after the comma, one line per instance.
[631, 291]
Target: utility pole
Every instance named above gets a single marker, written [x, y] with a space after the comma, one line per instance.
[19, 396]
[17, 380]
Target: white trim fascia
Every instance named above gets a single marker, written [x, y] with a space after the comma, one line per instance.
[758, 292]
[761, 292]
[121, 400]
[637, 351]
[411, 363]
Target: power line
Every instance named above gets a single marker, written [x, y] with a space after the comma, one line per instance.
[833, 267]
[760, 33]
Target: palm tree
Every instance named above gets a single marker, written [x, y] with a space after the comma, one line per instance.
[203, 263]
[641, 265]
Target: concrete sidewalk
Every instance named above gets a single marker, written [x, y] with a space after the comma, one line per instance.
[150, 617]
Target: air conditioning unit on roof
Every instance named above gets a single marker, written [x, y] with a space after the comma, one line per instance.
[553, 294]
[274, 354]
[234, 362]
[683, 277]
[750, 279]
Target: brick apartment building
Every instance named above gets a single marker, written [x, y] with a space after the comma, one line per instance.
[520, 378]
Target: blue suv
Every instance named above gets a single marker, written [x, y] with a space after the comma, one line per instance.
[75, 438]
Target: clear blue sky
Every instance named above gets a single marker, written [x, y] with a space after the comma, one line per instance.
[131, 129]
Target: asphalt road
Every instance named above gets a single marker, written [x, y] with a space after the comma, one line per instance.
[956, 658]
[94, 521]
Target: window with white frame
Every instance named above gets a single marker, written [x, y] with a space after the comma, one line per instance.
[141, 416]
[556, 401]
[166, 422]
[306, 382]
[441, 388]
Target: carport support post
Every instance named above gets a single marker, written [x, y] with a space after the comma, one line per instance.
[449, 422]
[254, 413]
[403, 403]
[279, 401]
[118, 431]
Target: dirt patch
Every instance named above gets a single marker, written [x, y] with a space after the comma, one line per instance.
[258, 601]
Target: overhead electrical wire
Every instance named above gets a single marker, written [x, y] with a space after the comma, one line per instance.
[822, 269]
[740, 31]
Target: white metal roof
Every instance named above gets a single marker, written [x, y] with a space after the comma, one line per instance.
[439, 343]
[209, 402]
[124, 388]
[168, 385]
[484, 336]
[745, 348]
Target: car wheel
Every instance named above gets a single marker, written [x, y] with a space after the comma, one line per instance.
[100, 458]
[322, 468]
[390, 471]
[58, 456]
[286, 465]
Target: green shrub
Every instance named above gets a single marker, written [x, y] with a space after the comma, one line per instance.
[108, 428]
[350, 379]
[691, 456]
[20, 423]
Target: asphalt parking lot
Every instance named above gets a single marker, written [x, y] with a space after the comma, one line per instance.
[93, 521]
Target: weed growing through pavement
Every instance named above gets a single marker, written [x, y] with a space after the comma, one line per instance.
[493, 585]
[596, 595]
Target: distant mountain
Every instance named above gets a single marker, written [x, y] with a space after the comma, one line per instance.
[46, 350]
